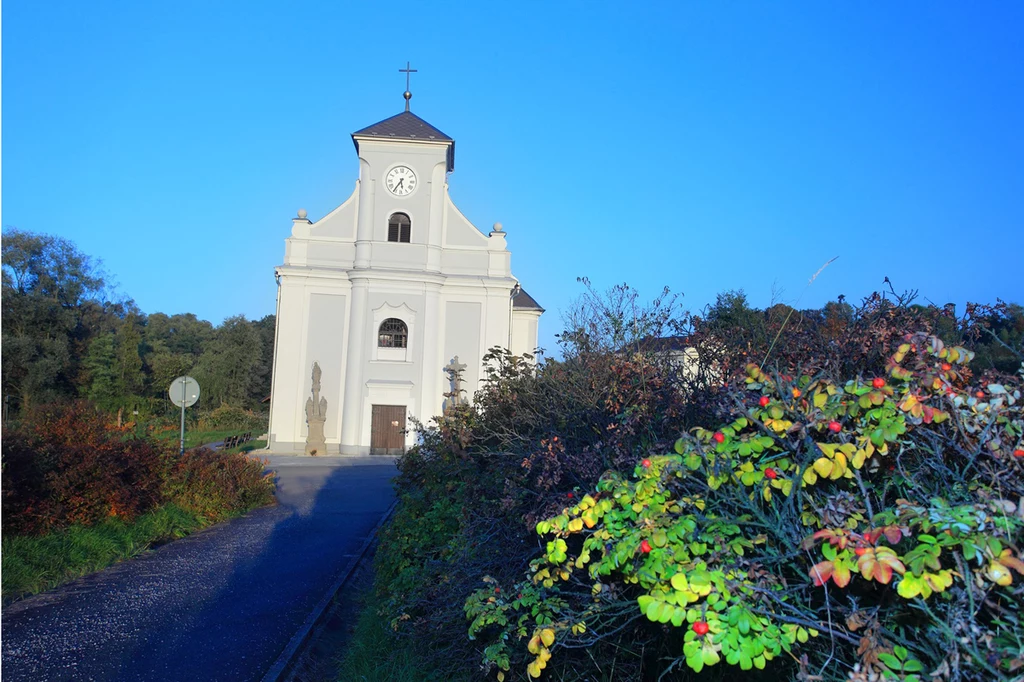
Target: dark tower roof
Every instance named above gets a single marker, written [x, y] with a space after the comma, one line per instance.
[406, 126]
[523, 301]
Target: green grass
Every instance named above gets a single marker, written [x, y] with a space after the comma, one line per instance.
[249, 447]
[375, 653]
[197, 438]
[36, 564]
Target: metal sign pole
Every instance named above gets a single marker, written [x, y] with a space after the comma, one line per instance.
[183, 401]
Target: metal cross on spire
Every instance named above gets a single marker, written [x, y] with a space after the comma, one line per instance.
[407, 94]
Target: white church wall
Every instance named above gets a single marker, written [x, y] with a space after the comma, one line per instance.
[324, 345]
[464, 262]
[462, 337]
[399, 256]
[338, 224]
[310, 327]
[323, 253]
[458, 231]
[524, 331]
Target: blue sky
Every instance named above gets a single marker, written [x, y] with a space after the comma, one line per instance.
[703, 146]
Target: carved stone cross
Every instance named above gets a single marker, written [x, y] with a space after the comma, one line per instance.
[454, 372]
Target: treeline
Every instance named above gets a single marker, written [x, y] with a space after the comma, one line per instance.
[68, 335]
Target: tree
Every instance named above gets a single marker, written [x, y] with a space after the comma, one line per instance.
[228, 369]
[46, 281]
[99, 367]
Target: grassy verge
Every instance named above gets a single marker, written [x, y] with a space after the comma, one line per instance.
[375, 653]
[249, 447]
[196, 438]
[36, 564]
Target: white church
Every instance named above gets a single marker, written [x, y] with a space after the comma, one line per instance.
[383, 293]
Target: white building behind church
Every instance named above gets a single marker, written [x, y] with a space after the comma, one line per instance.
[383, 292]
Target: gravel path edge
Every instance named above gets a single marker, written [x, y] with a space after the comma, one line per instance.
[279, 670]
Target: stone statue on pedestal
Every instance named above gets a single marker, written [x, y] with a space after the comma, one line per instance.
[316, 414]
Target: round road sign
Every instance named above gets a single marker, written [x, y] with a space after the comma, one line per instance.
[184, 390]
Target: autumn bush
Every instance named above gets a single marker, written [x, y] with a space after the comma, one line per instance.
[234, 418]
[868, 529]
[560, 439]
[66, 465]
[215, 484]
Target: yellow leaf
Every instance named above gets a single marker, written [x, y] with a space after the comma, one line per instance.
[823, 467]
[999, 574]
[533, 670]
[810, 478]
[501, 676]
[547, 635]
[576, 525]
[534, 645]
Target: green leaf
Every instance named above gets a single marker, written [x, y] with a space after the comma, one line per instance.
[891, 661]
[709, 655]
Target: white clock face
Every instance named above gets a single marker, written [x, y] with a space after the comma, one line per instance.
[400, 181]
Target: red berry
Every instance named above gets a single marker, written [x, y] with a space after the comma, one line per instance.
[1018, 453]
[878, 382]
[497, 590]
[646, 463]
[835, 427]
[718, 437]
[763, 402]
[796, 393]
[771, 473]
[860, 551]
[700, 627]
[569, 495]
[946, 367]
[645, 547]
[979, 394]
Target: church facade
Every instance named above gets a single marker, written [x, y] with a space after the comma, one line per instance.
[383, 293]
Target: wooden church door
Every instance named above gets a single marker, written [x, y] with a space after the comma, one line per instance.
[387, 430]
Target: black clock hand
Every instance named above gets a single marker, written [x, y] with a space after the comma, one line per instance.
[399, 185]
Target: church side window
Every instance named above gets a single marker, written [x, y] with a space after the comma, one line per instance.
[399, 228]
[392, 333]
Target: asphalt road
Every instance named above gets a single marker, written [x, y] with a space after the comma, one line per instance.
[218, 605]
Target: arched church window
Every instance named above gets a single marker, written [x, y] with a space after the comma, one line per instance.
[399, 228]
[392, 333]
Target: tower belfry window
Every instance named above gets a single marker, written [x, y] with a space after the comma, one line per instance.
[399, 228]
[392, 333]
